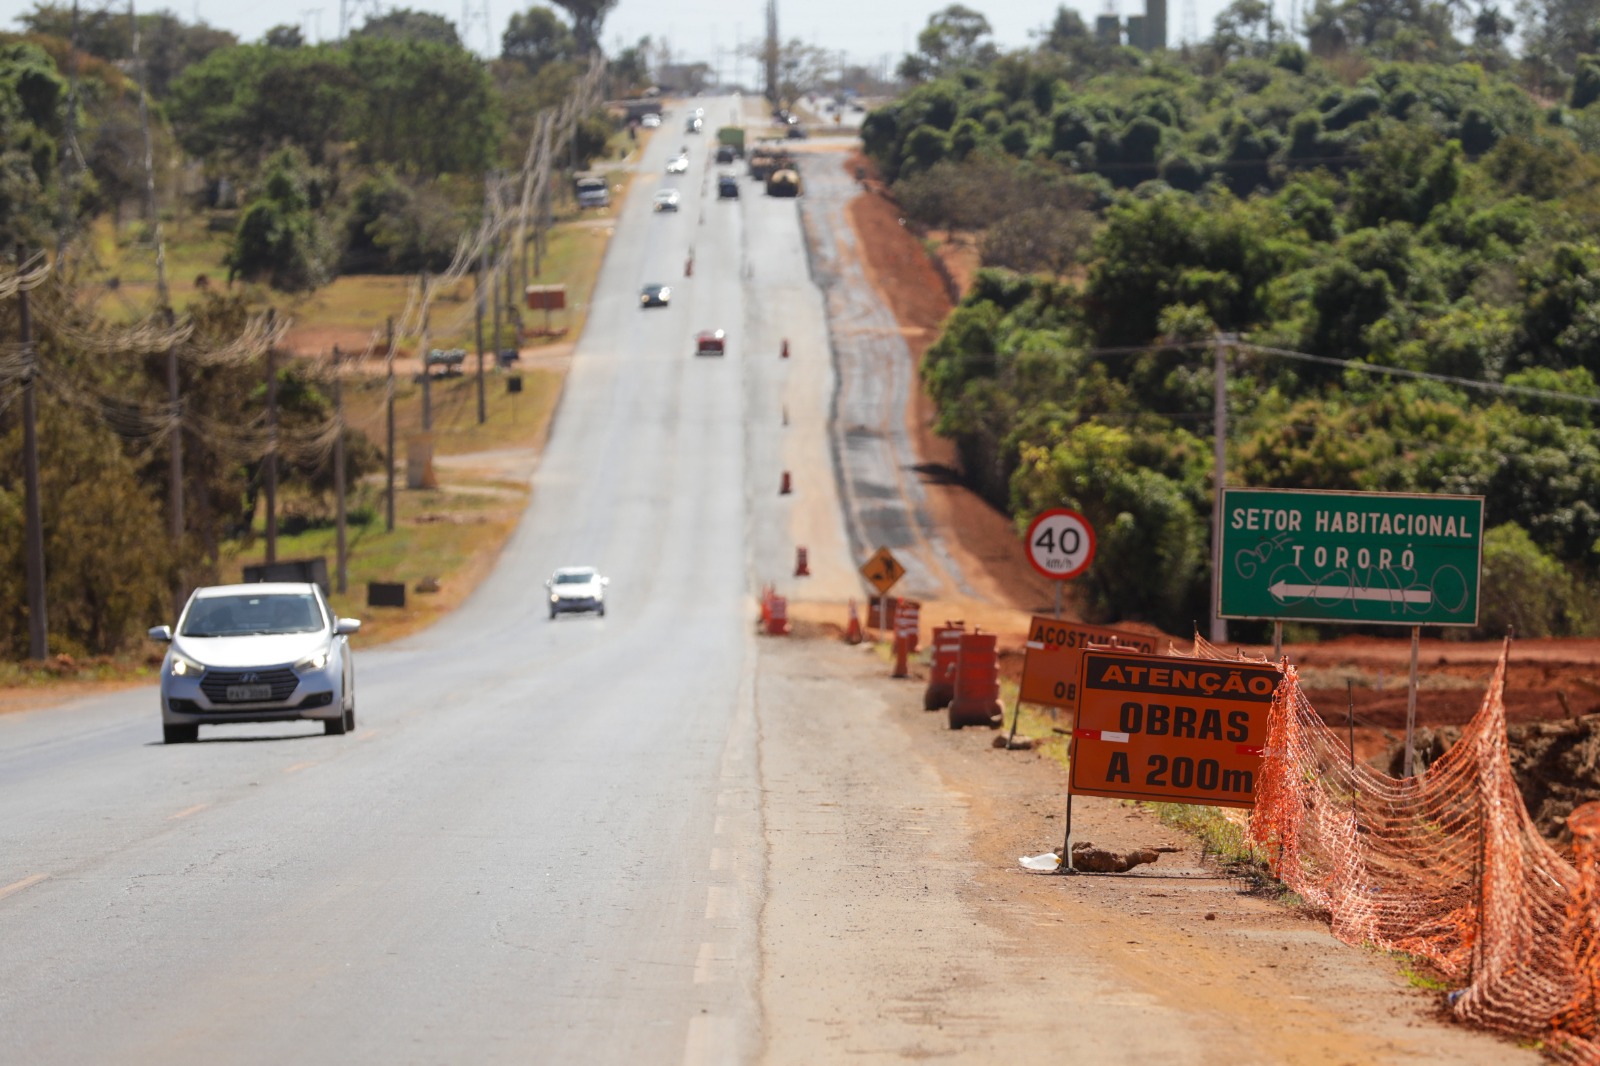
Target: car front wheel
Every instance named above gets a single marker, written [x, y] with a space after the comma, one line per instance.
[337, 727]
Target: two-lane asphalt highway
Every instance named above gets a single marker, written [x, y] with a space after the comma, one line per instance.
[543, 841]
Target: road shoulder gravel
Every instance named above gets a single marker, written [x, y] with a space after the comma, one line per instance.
[898, 925]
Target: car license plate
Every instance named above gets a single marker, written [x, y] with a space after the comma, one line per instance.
[249, 693]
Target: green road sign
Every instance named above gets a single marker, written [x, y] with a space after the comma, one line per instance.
[1370, 557]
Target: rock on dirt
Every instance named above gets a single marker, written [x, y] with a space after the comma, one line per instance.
[1087, 857]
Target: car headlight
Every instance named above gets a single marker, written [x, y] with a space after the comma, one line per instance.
[554, 597]
[183, 666]
[313, 662]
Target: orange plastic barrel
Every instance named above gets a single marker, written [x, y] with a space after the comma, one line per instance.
[942, 673]
[908, 619]
[976, 699]
[778, 617]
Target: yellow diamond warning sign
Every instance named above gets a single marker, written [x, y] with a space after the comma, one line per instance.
[882, 570]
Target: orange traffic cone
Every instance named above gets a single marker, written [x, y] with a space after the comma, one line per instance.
[852, 631]
[688, 266]
[783, 484]
[801, 569]
[901, 668]
[785, 352]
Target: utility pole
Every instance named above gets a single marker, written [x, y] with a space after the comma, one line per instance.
[272, 452]
[388, 496]
[149, 168]
[500, 267]
[38, 627]
[342, 578]
[422, 354]
[1219, 473]
[175, 442]
[69, 153]
[482, 294]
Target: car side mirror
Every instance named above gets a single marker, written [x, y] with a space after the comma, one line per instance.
[605, 581]
[160, 633]
[345, 626]
[547, 584]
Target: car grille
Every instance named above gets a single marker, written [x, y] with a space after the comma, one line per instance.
[215, 684]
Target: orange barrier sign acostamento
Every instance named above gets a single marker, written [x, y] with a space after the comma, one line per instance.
[1160, 727]
[1055, 651]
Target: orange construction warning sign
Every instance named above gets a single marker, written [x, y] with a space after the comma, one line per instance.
[1160, 727]
[882, 570]
[1054, 653]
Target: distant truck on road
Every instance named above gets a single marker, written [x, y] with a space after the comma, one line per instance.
[785, 182]
[730, 143]
[766, 158]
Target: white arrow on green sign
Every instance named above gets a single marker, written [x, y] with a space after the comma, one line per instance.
[1388, 558]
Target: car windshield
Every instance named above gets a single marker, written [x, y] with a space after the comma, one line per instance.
[251, 615]
[581, 578]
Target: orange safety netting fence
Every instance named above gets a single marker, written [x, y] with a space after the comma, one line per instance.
[1446, 865]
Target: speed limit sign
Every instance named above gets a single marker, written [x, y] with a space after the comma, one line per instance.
[1060, 543]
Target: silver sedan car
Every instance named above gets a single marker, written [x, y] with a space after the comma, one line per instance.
[256, 653]
[577, 588]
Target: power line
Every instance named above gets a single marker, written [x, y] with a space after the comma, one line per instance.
[1498, 387]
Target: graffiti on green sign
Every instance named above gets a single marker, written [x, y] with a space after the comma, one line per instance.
[1354, 557]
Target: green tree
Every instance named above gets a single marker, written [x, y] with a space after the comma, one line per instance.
[1524, 589]
[588, 16]
[107, 557]
[284, 36]
[280, 238]
[240, 105]
[536, 37]
[406, 24]
[425, 108]
[1150, 553]
[31, 93]
[955, 37]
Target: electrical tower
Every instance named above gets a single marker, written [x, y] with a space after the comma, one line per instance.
[349, 10]
[472, 12]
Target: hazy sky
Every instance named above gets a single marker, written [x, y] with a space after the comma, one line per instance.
[697, 29]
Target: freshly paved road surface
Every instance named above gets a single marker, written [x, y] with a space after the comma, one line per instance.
[542, 844]
[877, 375]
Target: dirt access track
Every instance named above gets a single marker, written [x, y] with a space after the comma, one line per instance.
[902, 834]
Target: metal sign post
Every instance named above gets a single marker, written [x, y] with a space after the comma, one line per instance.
[1411, 705]
[882, 572]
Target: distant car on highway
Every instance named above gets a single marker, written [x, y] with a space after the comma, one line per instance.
[711, 342]
[577, 588]
[679, 164]
[265, 652]
[694, 125]
[655, 296]
[727, 187]
[666, 200]
[651, 121]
